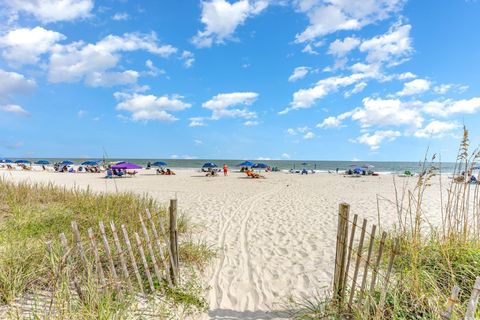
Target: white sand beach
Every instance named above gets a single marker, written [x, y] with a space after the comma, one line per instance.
[275, 237]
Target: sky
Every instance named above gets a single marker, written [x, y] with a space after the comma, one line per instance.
[249, 79]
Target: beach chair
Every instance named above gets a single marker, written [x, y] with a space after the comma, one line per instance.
[109, 174]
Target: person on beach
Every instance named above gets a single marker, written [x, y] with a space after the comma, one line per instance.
[225, 169]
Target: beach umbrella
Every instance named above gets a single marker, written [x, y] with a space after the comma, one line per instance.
[126, 165]
[22, 161]
[209, 165]
[159, 164]
[90, 163]
[5, 160]
[246, 164]
[260, 166]
[42, 162]
[66, 162]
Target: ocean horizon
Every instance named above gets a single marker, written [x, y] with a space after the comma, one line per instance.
[319, 165]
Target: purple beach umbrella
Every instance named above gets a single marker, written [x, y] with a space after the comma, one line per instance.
[126, 165]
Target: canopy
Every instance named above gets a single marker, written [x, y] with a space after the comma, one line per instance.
[126, 165]
[209, 165]
[42, 162]
[260, 166]
[159, 164]
[246, 164]
[67, 162]
[22, 161]
[5, 160]
[90, 163]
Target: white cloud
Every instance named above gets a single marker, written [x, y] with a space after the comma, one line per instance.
[406, 75]
[198, 142]
[121, 16]
[251, 123]
[53, 10]
[197, 122]
[330, 122]
[110, 79]
[356, 89]
[15, 109]
[448, 107]
[298, 73]
[374, 140]
[81, 113]
[24, 46]
[150, 107]
[263, 159]
[309, 135]
[188, 59]
[436, 129]
[291, 131]
[221, 18]
[387, 112]
[340, 48]
[413, 87]
[79, 61]
[285, 155]
[392, 47]
[12, 83]
[221, 105]
[152, 69]
[327, 17]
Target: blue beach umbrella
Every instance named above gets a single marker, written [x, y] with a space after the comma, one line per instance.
[246, 164]
[42, 162]
[260, 166]
[22, 161]
[159, 164]
[90, 163]
[209, 165]
[66, 162]
[5, 160]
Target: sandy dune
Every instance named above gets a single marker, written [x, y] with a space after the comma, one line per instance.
[275, 237]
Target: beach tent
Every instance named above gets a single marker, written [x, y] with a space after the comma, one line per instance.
[22, 161]
[260, 166]
[126, 165]
[209, 165]
[246, 164]
[90, 163]
[159, 164]
[42, 162]
[66, 162]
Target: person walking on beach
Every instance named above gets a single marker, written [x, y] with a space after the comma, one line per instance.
[225, 169]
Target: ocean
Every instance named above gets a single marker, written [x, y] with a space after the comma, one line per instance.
[378, 166]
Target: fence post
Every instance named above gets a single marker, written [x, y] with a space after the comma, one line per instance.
[452, 300]
[174, 238]
[472, 302]
[341, 251]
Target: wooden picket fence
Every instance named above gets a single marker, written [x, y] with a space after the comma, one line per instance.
[360, 279]
[358, 275]
[150, 254]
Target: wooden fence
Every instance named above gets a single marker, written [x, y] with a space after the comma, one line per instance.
[150, 254]
[360, 278]
[359, 275]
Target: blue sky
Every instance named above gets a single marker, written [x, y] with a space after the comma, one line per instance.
[246, 79]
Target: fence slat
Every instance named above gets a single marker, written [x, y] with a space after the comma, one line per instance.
[67, 257]
[472, 302]
[452, 300]
[159, 246]
[78, 241]
[357, 263]
[377, 262]
[350, 249]
[106, 246]
[341, 251]
[173, 271]
[145, 263]
[367, 263]
[132, 258]
[174, 237]
[121, 255]
[98, 263]
[150, 250]
[383, 295]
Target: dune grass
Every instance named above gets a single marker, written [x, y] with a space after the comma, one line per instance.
[432, 258]
[32, 214]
